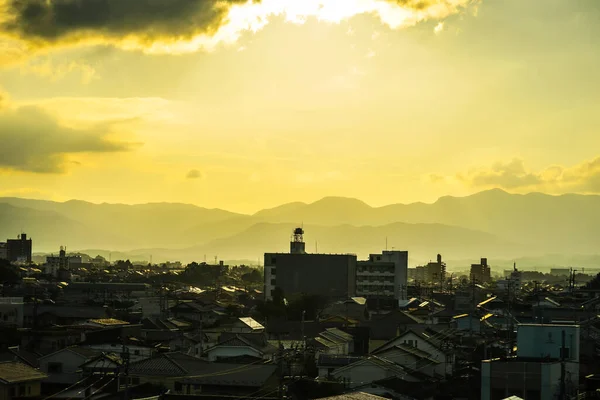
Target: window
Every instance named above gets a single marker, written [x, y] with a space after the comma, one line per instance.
[136, 352]
[273, 260]
[273, 282]
[564, 352]
[178, 387]
[28, 390]
[54, 368]
[273, 271]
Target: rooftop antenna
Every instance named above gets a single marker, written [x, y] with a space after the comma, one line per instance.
[216, 260]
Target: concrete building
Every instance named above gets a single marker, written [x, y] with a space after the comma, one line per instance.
[3, 251]
[56, 263]
[434, 272]
[296, 272]
[536, 371]
[512, 283]
[481, 273]
[383, 275]
[19, 250]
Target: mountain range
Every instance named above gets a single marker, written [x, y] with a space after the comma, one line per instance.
[492, 223]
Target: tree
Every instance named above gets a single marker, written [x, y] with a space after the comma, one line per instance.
[252, 277]
[8, 272]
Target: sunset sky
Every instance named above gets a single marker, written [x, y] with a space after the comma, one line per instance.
[244, 105]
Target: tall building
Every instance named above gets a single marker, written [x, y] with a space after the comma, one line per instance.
[383, 275]
[435, 271]
[54, 263]
[19, 249]
[297, 272]
[481, 273]
[3, 251]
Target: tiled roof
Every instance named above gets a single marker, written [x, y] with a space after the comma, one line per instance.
[354, 396]
[18, 354]
[168, 364]
[253, 375]
[341, 334]
[14, 371]
[256, 341]
[336, 360]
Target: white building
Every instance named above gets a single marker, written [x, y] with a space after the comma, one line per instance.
[383, 275]
[536, 371]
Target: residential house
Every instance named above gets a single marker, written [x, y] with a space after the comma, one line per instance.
[413, 359]
[45, 315]
[16, 353]
[167, 369]
[327, 363]
[18, 380]
[369, 369]
[434, 343]
[234, 345]
[206, 314]
[63, 366]
[334, 341]
[354, 307]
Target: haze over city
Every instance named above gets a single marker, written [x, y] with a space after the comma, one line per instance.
[249, 105]
[299, 199]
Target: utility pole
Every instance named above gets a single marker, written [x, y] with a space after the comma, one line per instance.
[562, 395]
[280, 368]
[125, 357]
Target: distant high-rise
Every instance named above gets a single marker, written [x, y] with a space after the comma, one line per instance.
[19, 249]
[481, 273]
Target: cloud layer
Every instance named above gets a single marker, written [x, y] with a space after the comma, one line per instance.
[513, 175]
[34, 141]
[188, 25]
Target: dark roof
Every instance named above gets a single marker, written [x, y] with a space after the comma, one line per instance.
[85, 352]
[18, 354]
[14, 371]
[336, 360]
[253, 375]
[107, 286]
[257, 342]
[168, 364]
[354, 396]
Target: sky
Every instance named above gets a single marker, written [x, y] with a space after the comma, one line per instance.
[243, 105]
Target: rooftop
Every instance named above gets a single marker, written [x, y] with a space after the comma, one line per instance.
[15, 372]
[251, 323]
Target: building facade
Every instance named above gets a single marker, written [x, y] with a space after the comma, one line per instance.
[383, 275]
[297, 272]
[19, 250]
[481, 273]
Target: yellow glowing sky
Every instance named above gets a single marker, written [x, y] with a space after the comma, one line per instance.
[293, 100]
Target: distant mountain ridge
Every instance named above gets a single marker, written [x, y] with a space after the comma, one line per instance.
[488, 223]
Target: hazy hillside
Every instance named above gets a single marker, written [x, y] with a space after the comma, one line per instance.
[568, 223]
[486, 223]
[423, 241]
[115, 226]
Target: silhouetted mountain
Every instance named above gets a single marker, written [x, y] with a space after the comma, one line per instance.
[485, 223]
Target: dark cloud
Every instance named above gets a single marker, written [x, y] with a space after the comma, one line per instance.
[51, 20]
[33, 141]
[194, 174]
